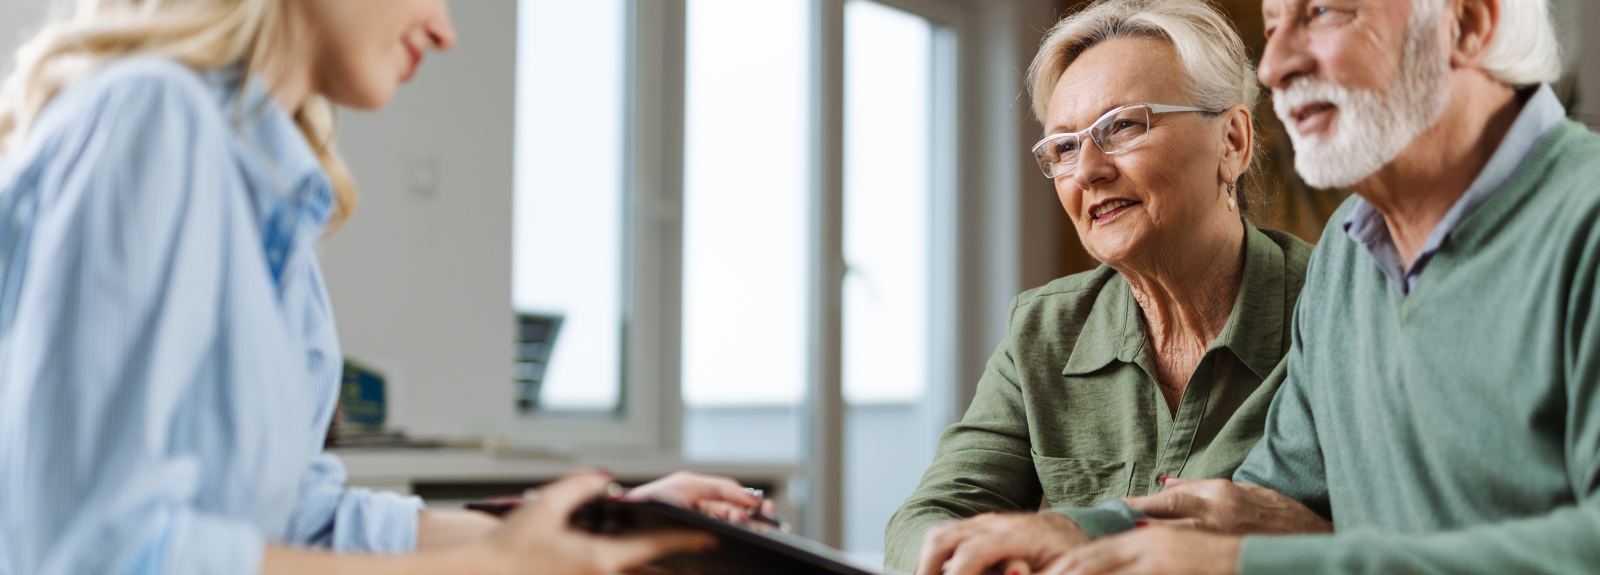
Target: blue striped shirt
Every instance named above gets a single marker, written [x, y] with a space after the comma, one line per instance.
[168, 357]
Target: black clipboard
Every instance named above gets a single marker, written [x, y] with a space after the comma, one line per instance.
[753, 548]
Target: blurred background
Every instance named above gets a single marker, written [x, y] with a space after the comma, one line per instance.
[773, 239]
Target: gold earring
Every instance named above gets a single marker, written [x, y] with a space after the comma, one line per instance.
[1231, 203]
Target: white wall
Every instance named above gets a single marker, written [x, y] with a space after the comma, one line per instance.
[421, 284]
[18, 20]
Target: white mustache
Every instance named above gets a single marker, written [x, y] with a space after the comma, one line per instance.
[1304, 91]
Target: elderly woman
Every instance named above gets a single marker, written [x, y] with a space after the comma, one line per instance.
[1150, 367]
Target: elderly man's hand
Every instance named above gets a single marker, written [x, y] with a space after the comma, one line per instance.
[1023, 542]
[1153, 550]
[1227, 507]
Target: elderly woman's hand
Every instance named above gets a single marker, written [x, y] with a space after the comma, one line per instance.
[1023, 542]
[1227, 507]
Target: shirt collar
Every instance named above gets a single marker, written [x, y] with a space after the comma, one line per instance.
[290, 194]
[1254, 332]
[1115, 331]
[1367, 227]
[281, 168]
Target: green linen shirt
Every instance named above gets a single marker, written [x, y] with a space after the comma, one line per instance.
[1455, 429]
[1068, 411]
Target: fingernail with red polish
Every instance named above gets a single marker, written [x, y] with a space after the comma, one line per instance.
[1163, 479]
[1138, 523]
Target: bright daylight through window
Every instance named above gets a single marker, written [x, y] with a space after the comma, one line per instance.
[568, 253]
[745, 283]
[748, 209]
[888, 95]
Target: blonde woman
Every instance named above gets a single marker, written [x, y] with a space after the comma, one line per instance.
[168, 358]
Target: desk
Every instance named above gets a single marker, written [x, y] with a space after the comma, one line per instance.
[447, 478]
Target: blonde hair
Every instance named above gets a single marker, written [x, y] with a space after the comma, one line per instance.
[201, 34]
[1220, 75]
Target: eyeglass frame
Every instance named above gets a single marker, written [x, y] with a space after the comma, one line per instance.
[1153, 110]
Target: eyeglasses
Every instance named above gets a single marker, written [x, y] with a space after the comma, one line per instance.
[1119, 130]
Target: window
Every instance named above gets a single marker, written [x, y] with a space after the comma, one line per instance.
[745, 228]
[888, 54]
[748, 224]
[568, 235]
[742, 218]
[888, 195]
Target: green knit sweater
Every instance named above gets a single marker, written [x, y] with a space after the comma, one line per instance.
[1456, 429]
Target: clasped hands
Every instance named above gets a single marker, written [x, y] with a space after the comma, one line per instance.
[1196, 526]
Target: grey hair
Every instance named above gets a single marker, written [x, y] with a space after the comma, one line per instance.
[1525, 49]
[1220, 74]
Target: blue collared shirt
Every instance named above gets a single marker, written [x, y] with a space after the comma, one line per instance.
[168, 357]
[1366, 226]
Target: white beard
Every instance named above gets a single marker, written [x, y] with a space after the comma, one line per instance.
[1373, 127]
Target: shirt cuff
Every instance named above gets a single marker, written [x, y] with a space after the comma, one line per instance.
[376, 522]
[200, 544]
[1108, 518]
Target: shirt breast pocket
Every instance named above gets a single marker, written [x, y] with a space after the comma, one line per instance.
[1082, 482]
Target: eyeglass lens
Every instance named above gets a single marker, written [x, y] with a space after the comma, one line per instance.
[1114, 133]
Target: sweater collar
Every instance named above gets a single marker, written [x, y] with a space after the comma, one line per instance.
[1367, 227]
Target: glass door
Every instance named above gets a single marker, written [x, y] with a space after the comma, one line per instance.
[751, 221]
[889, 116]
[745, 284]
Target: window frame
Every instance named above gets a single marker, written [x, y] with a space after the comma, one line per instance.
[648, 418]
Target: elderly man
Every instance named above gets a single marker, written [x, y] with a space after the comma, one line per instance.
[1441, 399]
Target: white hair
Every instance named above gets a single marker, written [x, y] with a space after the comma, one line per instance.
[1525, 50]
[1220, 74]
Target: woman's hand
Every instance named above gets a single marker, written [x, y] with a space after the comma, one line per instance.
[718, 497]
[1024, 542]
[539, 539]
[536, 539]
[1227, 507]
